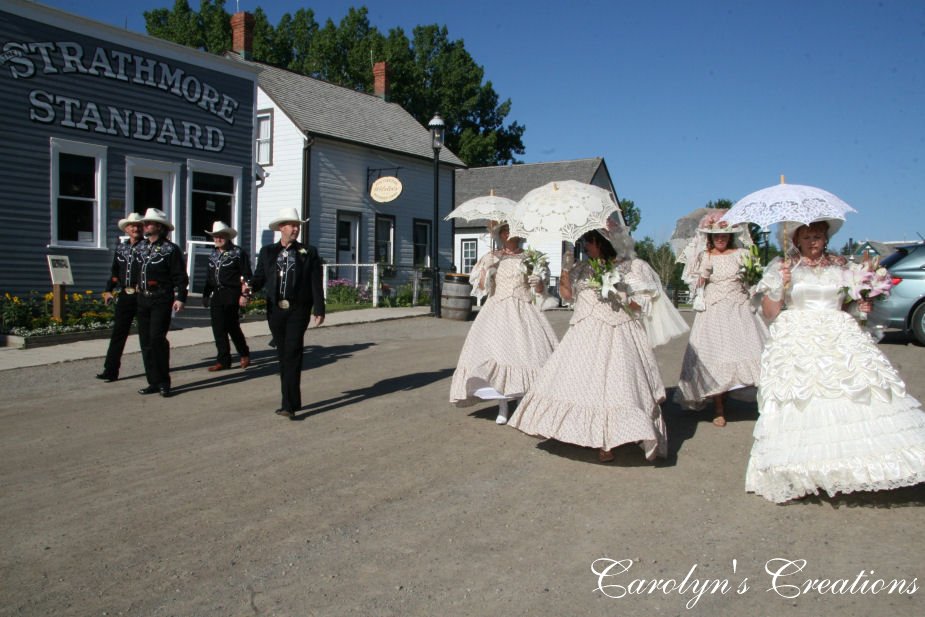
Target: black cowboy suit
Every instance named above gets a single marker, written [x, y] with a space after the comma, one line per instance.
[222, 291]
[162, 278]
[292, 278]
[124, 275]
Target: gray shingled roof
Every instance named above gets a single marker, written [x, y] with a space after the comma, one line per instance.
[515, 181]
[324, 109]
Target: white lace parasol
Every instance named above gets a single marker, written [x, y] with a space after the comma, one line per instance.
[788, 203]
[487, 207]
[566, 209]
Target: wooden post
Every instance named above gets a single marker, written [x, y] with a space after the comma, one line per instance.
[58, 292]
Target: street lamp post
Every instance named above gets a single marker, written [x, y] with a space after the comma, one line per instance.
[437, 131]
[766, 240]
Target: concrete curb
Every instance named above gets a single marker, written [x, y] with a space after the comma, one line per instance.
[13, 358]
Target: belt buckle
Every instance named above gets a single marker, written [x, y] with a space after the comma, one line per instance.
[284, 304]
[129, 290]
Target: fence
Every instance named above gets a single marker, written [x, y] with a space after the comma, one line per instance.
[374, 277]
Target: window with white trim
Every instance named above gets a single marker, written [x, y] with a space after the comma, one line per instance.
[265, 137]
[469, 252]
[421, 239]
[215, 193]
[385, 239]
[78, 194]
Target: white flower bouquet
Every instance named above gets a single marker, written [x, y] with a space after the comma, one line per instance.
[535, 263]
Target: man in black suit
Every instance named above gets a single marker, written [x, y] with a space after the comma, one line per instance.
[291, 273]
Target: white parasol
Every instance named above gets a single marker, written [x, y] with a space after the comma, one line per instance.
[566, 210]
[486, 207]
[794, 203]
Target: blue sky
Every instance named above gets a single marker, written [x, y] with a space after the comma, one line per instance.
[690, 101]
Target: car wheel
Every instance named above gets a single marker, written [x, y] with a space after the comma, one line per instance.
[918, 324]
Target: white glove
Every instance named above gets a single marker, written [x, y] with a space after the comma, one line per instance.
[533, 280]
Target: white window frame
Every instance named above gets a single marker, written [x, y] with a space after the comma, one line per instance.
[466, 242]
[430, 239]
[263, 114]
[138, 166]
[60, 146]
[391, 239]
[195, 166]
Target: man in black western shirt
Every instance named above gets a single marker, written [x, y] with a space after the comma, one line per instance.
[124, 275]
[291, 273]
[162, 289]
[229, 265]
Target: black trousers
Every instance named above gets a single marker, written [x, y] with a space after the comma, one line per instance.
[226, 321]
[154, 313]
[126, 309]
[288, 328]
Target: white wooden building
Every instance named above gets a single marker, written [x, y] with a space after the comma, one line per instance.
[322, 146]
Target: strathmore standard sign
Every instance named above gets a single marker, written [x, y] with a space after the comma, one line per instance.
[99, 122]
[25, 60]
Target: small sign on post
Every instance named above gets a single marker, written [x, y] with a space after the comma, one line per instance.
[60, 268]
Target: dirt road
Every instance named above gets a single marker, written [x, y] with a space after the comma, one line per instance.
[382, 500]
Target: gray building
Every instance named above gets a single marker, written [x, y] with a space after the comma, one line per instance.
[100, 122]
[514, 181]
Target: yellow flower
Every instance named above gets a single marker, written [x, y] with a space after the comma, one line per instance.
[89, 292]
[16, 300]
[56, 319]
[8, 296]
[49, 297]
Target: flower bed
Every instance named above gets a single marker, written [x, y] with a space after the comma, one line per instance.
[31, 316]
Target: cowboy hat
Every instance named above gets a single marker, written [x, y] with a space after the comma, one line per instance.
[153, 215]
[286, 215]
[132, 218]
[220, 229]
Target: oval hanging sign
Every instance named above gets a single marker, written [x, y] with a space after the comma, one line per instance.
[385, 189]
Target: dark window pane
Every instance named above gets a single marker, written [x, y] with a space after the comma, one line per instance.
[213, 183]
[384, 227]
[343, 235]
[421, 238]
[206, 209]
[76, 175]
[75, 216]
[149, 193]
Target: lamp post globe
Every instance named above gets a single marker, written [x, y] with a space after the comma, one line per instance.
[437, 132]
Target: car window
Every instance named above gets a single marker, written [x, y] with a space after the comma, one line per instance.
[892, 258]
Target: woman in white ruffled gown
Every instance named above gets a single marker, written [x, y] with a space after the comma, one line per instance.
[727, 338]
[602, 388]
[834, 414]
[510, 339]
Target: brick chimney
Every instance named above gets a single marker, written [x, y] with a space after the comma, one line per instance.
[381, 80]
[242, 34]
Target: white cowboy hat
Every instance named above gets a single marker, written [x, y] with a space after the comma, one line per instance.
[286, 215]
[220, 229]
[153, 215]
[133, 217]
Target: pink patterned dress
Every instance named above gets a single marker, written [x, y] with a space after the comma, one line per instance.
[510, 339]
[726, 341]
[601, 388]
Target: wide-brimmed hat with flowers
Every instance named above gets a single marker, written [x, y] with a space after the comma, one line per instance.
[286, 215]
[132, 218]
[153, 215]
[711, 224]
[220, 229]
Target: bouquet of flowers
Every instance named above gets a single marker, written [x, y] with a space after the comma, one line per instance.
[535, 262]
[751, 269]
[605, 277]
[867, 280]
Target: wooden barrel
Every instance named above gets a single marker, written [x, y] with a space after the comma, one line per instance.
[456, 299]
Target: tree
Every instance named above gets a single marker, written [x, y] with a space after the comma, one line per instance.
[662, 260]
[429, 73]
[631, 215]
